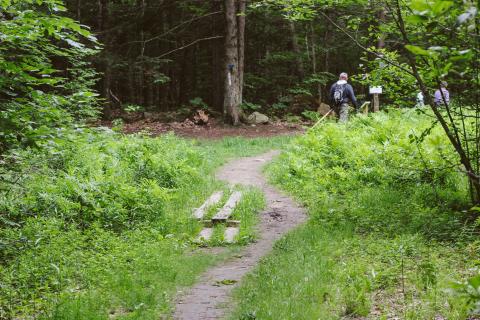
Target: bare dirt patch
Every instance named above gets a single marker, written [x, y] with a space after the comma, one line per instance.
[210, 297]
[214, 130]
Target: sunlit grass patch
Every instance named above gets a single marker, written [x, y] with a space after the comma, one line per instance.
[319, 272]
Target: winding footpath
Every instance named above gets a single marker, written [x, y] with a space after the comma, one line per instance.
[209, 300]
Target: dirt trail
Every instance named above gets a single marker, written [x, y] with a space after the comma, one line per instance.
[207, 299]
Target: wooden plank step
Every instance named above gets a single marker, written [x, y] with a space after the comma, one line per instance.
[213, 200]
[227, 210]
[230, 234]
[205, 235]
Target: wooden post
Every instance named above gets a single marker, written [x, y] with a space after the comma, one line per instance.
[376, 102]
[376, 91]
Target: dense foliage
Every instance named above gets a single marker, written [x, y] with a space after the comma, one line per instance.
[386, 238]
[91, 186]
[45, 80]
[374, 159]
[434, 41]
[101, 222]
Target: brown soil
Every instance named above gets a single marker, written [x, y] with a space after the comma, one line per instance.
[214, 130]
[210, 297]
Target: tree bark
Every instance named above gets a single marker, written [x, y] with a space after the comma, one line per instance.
[241, 44]
[313, 40]
[382, 18]
[300, 69]
[326, 42]
[79, 10]
[102, 21]
[232, 98]
[142, 78]
[217, 62]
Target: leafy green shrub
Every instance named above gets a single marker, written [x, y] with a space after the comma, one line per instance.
[372, 165]
[250, 107]
[311, 115]
[37, 99]
[99, 223]
[198, 103]
[115, 181]
[399, 88]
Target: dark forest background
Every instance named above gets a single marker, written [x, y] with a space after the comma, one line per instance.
[163, 55]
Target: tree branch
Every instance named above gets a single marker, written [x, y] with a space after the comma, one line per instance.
[181, 24]
[365, 48]
[189, 45]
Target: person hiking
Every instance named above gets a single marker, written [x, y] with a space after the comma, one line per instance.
[439, 97]
[341, 95]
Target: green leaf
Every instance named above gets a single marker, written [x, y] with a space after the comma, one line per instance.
[420, 6]
[416, 19]
[417, 50]
[440, 7]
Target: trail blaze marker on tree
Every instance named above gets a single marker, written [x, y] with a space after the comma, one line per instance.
[230, 71]
[376, 91]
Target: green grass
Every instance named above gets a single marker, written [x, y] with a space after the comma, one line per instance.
[140, 286]
[319, 272]
[254, 199]
[103, 226]
[388, 236]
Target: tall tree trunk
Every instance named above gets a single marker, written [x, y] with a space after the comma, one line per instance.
[232, 98]
[107, 84]
[100, 4]
[241, 43]
[217, 66]
[184, 77]
[164, 90]
[193, 70]
[326, 42]
[150, 94]
[142, 78]
[382, 18]
[102, 21]
[131, 81]
[313, 40]
[79, 10]
[300, 69]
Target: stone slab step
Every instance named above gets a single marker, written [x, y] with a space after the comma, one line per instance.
[205, 235]
[230, 234]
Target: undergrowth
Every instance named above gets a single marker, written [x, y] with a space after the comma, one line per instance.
[388, 236]
[100, 225]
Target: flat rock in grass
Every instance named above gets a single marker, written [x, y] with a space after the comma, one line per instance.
[230, 234]
[205, 234]
[213, 200]
[227, 210]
